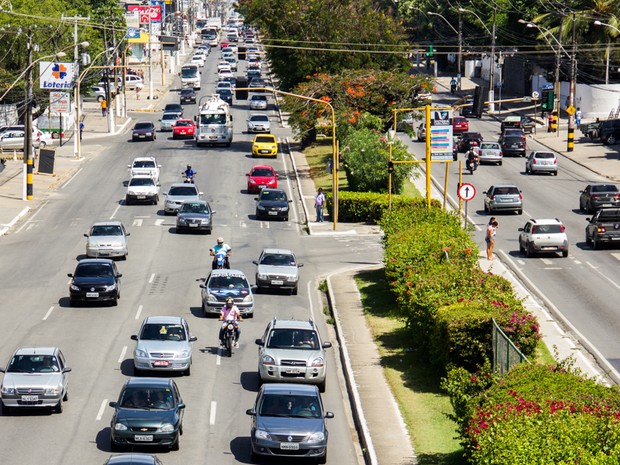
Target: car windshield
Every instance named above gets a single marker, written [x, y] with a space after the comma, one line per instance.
[265, 139]
[147, 398]
[213, 119]
[489, 145]
[187, 92]
[262, 172]
[262, 118]
[544, 155]
[93, 270]
[193, 208]
[257, 83]
[183, 123]
[273, 195]
[182, 190]
[277, 259]
[293, 339]
[283, 405]
[228, 282]
[141, 182]
[170, 116]
[224, 91]
[604, 188]
[144, 164]
[110, 230]
[189, 72]
[33, 364]
[163, 332]
[143, 126]
[547, 229]
[506, 191]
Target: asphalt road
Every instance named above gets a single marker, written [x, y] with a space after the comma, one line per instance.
[159, 278]
[585, 285]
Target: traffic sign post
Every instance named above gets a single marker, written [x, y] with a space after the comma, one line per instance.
[466, 192]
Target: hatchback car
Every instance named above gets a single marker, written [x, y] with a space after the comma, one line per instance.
[513, 145]
[460, 124]
[265, 145]
[168, 120]
[144, 166]
[258, 102]
[107, 239]
[95, 280]
[596, 196]
[187, 95]
[222, 284]
[223, 65]
[258, 122]
[503, 197]
[178, 193]
[195, 215]
[148, 412]
[288, 420]
[465, 142]
[490, 152]
[525, 123]
[253, 73]
[143, 130]
[541, 161]
[277, 269]
[198, 60]
[142, 189]
[543, 235]
[133, 459]
[292, 351]
[421, 132]
[174, 108]
[262, 176]
[257, 83]
[164, 343]
[184, 129]
[272, 203]
[36, 377]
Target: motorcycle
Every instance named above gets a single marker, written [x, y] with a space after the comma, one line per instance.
[220, 261]
[472, 165]
[188, 179]
[230, 328]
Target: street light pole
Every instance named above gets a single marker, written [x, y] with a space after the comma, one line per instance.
[492, 34]
[460, 37]
[608, 50]
[570, 142]
[28, 149]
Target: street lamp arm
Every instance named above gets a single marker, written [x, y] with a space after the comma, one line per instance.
[600, 23]
[463, 10]
[544, 32]
[442, 17]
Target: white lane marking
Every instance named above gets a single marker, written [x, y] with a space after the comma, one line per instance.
[137, 222]
[603, 275]
[49, 312]
[218, 359]
[546, 261]
[159, 222]
[616, 255]
[138, 312]
[101, 409]
[243, 224]
[71, 179]
[151, 278]
[290, 191]
[34, 215]
[115, 211]
[123, 352]
[212, 414]
[552, 268]
[140, 216]
[577, 262]
[30, 226]
[310, 302]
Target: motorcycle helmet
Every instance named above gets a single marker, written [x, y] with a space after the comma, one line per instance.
[189, 167]
[220, 240]
[230, 302]
[474, 144]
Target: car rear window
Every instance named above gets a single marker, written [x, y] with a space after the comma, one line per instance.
[266, 139]
[545, 155]
[144, 164]
[489, 145]
[605, 188]
[609, 215]
[506, 191]
[546, 229]
[513, 139]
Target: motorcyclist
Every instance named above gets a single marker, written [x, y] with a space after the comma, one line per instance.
[189, 173]
[221, 247]
[473, 159]
[230, 312]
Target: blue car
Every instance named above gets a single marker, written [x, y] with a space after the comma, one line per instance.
[222, 284]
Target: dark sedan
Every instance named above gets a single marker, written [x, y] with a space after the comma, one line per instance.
[272, 203]
[95, 280]
[195, 215]
[226, 95]
[174, 108]
[467, 138]
[596, 196]
[149, 412]
[143, 130]
[513, 145]
[187, 95]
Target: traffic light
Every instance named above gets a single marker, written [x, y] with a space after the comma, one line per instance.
[430, 51]
[547, 99]
[478, 105]
[390, 167]
[240, 84]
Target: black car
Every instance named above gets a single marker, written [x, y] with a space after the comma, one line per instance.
[253, 73]
[610, 131]
[149, 412]
[596, 196]
[143, 130]
[133, 459]
[272, 203]
[226, 95]
[467, 138]
[95, 280]
[174, 108]
[187, 95]
[513, 145]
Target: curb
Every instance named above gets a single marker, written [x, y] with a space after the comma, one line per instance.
[6, 227]
[301, 197]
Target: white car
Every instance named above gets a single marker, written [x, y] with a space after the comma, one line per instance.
[227, 73]
[223, 65]
[491, 152]
[107, 239]
[204, 53]
[198, 60]
[168, 120]
[258, 102]
[224, 85]
[144, 166]
[258, 122]
[543, 236]
[142, 189]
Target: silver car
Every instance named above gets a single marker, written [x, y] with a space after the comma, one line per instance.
[491, 152]
[164, 343]
[259, 122]
[503, 197]
[541, 161]
[292, 351]
[35, 377]
[167, 121]
[107, 239]
[195, 216]
[178, 193]
[277, 269]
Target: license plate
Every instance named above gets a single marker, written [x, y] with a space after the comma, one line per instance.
[213, 137]
[273, 213]
[143, 437]
[183, 132]
[140, 197]
[30, 398]
[264, 151]
[141, 135]
[193, 225]
[161, 363]
[261, 186]
[92, 294]
[606, 205]
[289, 446]
[514, 146]
[293, 371]
[277, 282]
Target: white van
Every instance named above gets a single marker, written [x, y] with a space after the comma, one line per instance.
[190, 76]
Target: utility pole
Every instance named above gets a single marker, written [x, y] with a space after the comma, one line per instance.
[570, 141]
[459, 73]
[492, 71]
[150, 60]
[28, 149]
[557, 81]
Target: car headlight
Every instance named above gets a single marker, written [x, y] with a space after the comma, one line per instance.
[211, 298]
[284, 209]
[132, 193]
[272, 181]
[167, 428]
[316, 437]
[149, 133]
[248, 298]
[111, 287]
[261, 434]
[140, 353]
[184, 353]
[73, 287]
[263, 276]
[120, 427]
[260, 207]
[8, 390]
[292, 279]
[318, 362]
[181, 220]
[268, 360]
[252, 181]
[51, 391]
[205, 220]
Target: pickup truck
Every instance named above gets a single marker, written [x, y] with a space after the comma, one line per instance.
[603, 227]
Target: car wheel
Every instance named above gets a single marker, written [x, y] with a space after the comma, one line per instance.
[588, 240]
[589, 208]
[611, 140]
[204, 309]
[254, 457]
[322, 385]
[188, 372]
[565, 253]
[176, 444]
[114, 446]
[294, 291]
[137, 371]
[58, 407]
[528, 251]
[520, 211]
[72, 303]
[555, 173]
[322, 460]
[115, 301]
[595, 244]
[500, 163]
[228, 144]
[521, 248]
[527, 170]
[581, 207]
[6, 410]
[285, 218]
[66, 396]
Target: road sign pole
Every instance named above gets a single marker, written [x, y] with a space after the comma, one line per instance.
[465, 221]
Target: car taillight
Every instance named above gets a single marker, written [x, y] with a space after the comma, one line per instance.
[534, 161]
[520, 196]
[616, 196]
[562, 228]
[555, 161]
[595, 196]
[601, 229]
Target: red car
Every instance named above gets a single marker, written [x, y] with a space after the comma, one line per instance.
[183, 129]
[262, 176]
[460, 124]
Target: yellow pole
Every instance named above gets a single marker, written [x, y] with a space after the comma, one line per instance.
[390, 176]
[428, 155]
[460, 183]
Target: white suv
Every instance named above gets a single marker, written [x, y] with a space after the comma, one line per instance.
[543, 235]
[144, 166]
[142, 189]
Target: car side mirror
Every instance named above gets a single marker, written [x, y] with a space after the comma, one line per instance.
[255, 262]
[247, 174]
[181, 406]
[127, 234]
[251, 412]
[520, 229]
[85, 235]
[256, 198]
[259, 342]
[290, 201]
[113, 404]
[588, 219]
[2, 370]
[70, 275]
[66, 370]
[203, 286]
[134, 337]
[299, 265]
[158, 166]
[193, 339]
[128, 166]
[329, 414]
[326, 345]
[120, 275]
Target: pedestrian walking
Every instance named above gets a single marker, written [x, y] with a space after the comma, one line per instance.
[490, 237]
[81, 129]
[578, 115]
[104, 107]
[319, 205]
[550, 121]
[138, 89]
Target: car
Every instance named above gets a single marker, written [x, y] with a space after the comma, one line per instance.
[258, 102]
[541, 161]
[610, 131]
[232, 62]
[13, 139]
[148, 412]
[511, 132]
[143, 130]
[288, 420]
[253, 73]
[184, 129]
[272, 203]
[491, 152]
[468, 109]
[465, 142]
[107, 239]
[168, 120]
[213, 41]
[174, 108]
[197, 60]
[258, 122]
[460, 124]
[225, 74]
[95, 280]
[222, 284]
[261, 176]
[187, 95]
[277, 269]
[503, 197]
[144, 166]
[133, 459]
[596, 196]
[142, 188]
[195, 215]
[178, 193]
[421, 132]
[257, 83]
[543, 235]
[131, 81]
[223, 65]
[95, 94]
[224, 85]
[202, 52]
[291, 351]
[163, 343]
[407, 122]
[525, 123]
[264, 145]
[513, 145]
[225, 94]
[35, 377]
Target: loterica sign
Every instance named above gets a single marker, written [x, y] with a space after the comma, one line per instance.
[56, 75]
